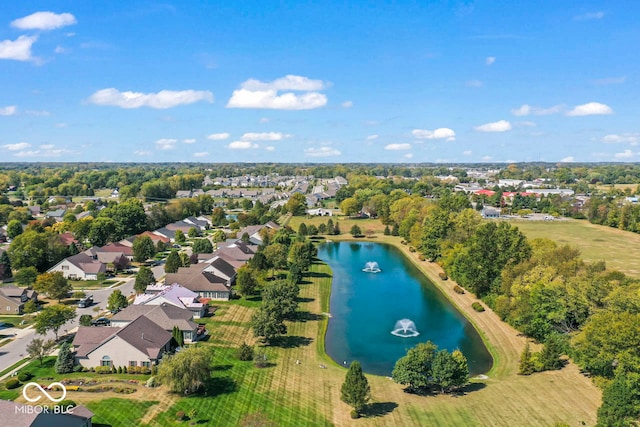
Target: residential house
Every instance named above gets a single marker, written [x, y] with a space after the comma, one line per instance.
[254, 231]
[210, 280]
[201, 223]
[165, 315]
[20, 415]
[175, 295]
[490, 212]
[118, 248]
[183, 194]
[320, 212]
[13, 299]
[56, 214]
[155, 237]
[82, 266]
[139, 343]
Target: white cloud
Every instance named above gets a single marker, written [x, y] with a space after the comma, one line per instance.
[527, 124]
[270, 148]
[288, 82]
[589, 16]
[256, 94]
[20, 49]
[486, 158]
[408, 156]
[394, 147]
[372, 137]
[47, 146]
[499, 126]
[264, 136]
[269, 99]
[474, 83]
[188, 140]
[142, 153]
[347, 104]
[490, 60]
[161, 100]
[568, 159]
[263, 120]
[166, 143]
[590, 109]
[242, 145]
[610, 80]
[525, 110]
[60, 49]
[322, 152]
[440, 133]
[9, 110]
[44, 21]
[201, 154]
[630, 138]
[467, 152]
[16, 147]
[45, 151]
[219, 136]
[626, 154]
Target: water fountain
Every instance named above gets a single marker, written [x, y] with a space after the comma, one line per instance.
[405, 328]
[371, 267]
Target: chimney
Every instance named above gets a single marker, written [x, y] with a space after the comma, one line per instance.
[142, 336]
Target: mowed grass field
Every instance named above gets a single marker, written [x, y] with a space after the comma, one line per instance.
[619, 249]
[345, 223]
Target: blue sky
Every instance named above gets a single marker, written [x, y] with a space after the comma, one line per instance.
[323, 81]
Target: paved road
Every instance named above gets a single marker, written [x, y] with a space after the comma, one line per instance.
[16, 350]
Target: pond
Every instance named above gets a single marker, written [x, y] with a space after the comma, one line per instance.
[366, 307]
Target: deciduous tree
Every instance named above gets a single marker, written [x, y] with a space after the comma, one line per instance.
[38, 348]
[117, 301]
[186, 371]
[52, 318]
[144, 278]
[143, 248]
[173, 262]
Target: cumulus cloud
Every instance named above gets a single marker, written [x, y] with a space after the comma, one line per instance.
[9, 110]
[499, 126]
[160, 100]
[440, 133]
[590, 109]
[568, 159]
[321, 152]
[264, 136]
[395, 147]
[372, 137]
[166, 143]
[44, 21]
[347, 104]
[626, 154]
[490, 60]
[201, 154]
[256, 94]
[629, 138]
[242, 145]
[589, 16]
[18, 49]
[218, 136]
[526, 109]
[45, 151]
[16, 147]
[188, 140]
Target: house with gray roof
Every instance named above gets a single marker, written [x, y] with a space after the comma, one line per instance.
[139, 343]
[13, 299]
[165, 315]
[210, 280]
[172, 294]
[20, 415]
[82, 266]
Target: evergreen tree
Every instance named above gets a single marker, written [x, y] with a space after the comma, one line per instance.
[527, 365]
[302, 229]
[355, 390]
[620, 401]
[330, 226]
[336, 229]
[177, 336]
[396, 229]
[179, 237]
[550, 355]
[65, 361]
[387, 231]
[355, 230]
[5, 266]
[173, 262]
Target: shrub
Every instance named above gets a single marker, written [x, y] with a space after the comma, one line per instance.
[151, 382]
[124, 370]
[412, 249]
[403, 242]
[180, 415]
[422, 258]
[354, 414]
[25, 376]
[78, 368]
[12, 383]
[245, 352]
[72, 388]
[458, 290]
[477, 307]
[102, 369]
[65, 404]
[443, 275]
[119, 370]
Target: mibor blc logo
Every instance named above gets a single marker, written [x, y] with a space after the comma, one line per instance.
[44, 392]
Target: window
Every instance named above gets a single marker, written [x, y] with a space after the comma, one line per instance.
[106, 361]
[146, 364]
[65, 267]
[133, 363]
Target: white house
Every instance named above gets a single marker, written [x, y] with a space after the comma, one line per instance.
[173, 294]
[80, 266]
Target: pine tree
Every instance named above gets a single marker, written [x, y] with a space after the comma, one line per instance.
[173, 262]
[396, 229]
[355, 390]
[550, 355]
[65, 361]
[5, 266]
[387, 231]
[177, 335]
[527, 365]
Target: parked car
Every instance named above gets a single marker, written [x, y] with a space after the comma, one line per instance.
[85, 302]
[101, 321]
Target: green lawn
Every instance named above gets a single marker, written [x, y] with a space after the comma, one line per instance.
[15, 321]
[87, 284]
[118, 412]
[596, 242]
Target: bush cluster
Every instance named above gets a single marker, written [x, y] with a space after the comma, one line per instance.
[443, 275]
[477, 307]
[458, 290]
[12, 383]
[25, 376]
